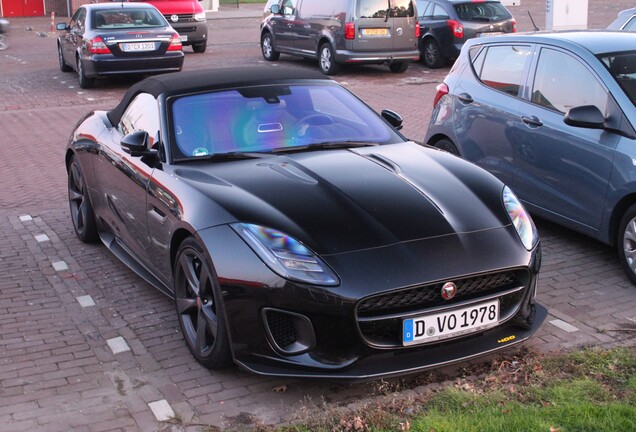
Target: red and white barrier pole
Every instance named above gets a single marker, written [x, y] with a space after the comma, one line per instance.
[52, 22]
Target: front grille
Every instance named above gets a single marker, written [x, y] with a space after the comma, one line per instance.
[380, 316]
[281, 326]
[182, 30]
[182, 18]
[429, 295]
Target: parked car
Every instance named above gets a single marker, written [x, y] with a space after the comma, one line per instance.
[445, 26]
[335, 32]
[553, 116]
[626, 20]
[298, 231]
[188, 18]
[108, 39]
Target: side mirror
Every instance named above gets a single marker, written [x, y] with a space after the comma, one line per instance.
[137, 144]
[62, 26]
[585, 116]
[275, 9]
[393, 118]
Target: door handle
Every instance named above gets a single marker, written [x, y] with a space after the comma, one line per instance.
[157, 214]
[532, 121]
[465, 98]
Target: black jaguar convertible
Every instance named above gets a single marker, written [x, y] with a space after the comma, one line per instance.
[298, 231]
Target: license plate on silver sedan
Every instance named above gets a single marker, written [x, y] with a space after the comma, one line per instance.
[138, 46]
[433, 327]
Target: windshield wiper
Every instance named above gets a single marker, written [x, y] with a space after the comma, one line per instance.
[223, 156]
[327, 145]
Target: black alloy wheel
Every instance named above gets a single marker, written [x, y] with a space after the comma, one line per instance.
[432, 55]
[267, 48]
[81, 209]
[63, 66]
[198, 308]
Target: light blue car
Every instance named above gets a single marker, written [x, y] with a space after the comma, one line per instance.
[553, 116]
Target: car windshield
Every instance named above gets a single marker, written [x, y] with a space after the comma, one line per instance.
[622, 66]
[482, 11]
[126, 18]
[274, 118]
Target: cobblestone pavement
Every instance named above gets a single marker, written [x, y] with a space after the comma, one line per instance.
[86, 345]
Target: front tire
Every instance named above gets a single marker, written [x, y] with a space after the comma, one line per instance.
[81, 209]
[327, 60]
[200, 47]
[432, 55]
[447, 145]
[199, 308]
[400, 67]
[626, 242]
[267, 48]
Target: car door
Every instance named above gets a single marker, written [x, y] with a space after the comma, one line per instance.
[562, 169]
[486, 104]
[123, 179]
[283, 26]
[73, 38]
[310, 19]
[403, 18]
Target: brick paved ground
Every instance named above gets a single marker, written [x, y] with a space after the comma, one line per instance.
[57, 370]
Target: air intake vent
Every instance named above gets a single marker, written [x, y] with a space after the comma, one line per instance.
[288, 332]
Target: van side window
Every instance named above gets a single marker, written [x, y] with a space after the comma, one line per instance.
[560, 91]
[289, 7]
[503, 67]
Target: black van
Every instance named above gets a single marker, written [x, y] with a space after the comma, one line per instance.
[337, 31]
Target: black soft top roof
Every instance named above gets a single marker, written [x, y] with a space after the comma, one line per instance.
[179, 83]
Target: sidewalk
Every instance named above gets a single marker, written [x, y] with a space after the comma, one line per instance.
[244, 10]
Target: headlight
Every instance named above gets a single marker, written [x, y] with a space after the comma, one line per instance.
[199, 16]
[285, 255]
[520, 219]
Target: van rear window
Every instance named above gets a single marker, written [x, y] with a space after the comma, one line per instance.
[379, 8]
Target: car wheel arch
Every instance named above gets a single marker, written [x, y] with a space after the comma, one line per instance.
[435, 139]
[617, 215]
[177, 238]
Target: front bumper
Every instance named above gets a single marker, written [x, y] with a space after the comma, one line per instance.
[320, 332]
[191, 32]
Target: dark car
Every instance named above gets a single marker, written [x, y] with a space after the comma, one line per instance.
[299, 233]
[626, 20]
[553, 116]
[107, 39]
[343, 31]
[445, 25]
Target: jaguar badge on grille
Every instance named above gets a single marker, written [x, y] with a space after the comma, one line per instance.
[449, 290]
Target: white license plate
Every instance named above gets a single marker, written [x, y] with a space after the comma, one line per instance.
[375, 31]
[429, 328]
[183, 38]
[138, 46]
[484, 34]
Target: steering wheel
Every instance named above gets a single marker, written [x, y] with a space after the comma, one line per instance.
[314, 119]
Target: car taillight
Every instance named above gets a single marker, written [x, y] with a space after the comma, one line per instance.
[514, 25]
[417, 30]
[175, 43]
[97, 46]
[442, 90]
[456, 28]
[350, 31]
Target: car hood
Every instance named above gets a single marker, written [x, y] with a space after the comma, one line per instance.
[337, 201]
